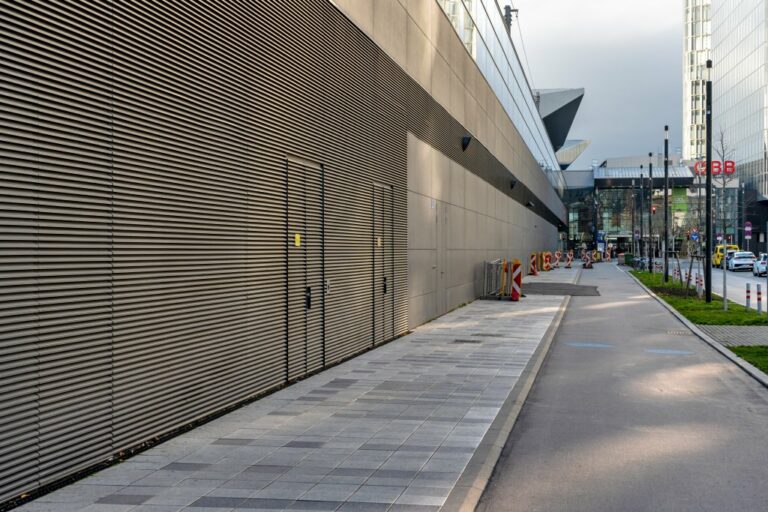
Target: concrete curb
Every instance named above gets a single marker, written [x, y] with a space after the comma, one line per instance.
[753, 371]
[469, 489]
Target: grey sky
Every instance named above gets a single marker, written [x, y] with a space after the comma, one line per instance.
[626, 54]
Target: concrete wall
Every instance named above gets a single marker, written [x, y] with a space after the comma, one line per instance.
[419, 37]
[456, 221]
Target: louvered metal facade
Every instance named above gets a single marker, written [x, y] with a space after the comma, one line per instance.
[180, 182]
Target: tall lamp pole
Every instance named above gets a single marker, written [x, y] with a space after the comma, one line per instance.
[650, 213]
[666, 204]
[634, 206]
[642, 211]
[708, 213]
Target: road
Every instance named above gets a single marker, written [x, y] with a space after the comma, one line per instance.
[631, 412]
[736, 282]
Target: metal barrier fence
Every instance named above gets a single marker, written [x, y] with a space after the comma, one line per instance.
[496, 281]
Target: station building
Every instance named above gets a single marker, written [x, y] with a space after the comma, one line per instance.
[203, 202]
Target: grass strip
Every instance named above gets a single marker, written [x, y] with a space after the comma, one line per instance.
[697, 310]
[755, 355]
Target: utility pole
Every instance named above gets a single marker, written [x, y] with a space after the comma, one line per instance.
[708, 250]
[650, 213]
[666, 203]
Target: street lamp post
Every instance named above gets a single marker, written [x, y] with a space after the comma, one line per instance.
[708, 250]
[650, 214]
[666, 203]
[642, 211]
[634, 205]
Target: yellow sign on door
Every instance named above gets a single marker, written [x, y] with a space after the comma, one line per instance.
[297, 239]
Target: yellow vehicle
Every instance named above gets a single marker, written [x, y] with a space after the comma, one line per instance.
[720, 252]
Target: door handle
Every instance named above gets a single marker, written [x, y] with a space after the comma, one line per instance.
[308, 297]
[385, 285]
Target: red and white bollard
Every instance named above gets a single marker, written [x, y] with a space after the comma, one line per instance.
[588, 261]
[569, 259]
[558, 255]
[532, 269]
[759, 300]
[517, 280]
[749, 297]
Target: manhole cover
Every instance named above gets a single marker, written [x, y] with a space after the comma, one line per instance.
[467, 341]
[679, 332]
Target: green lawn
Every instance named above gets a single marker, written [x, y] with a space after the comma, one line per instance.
[696, 310]
[758, 355]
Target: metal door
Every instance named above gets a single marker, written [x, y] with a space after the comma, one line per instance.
[305, 300]
[383, 264]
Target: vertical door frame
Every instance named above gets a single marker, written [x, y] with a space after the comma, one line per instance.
[304, 165]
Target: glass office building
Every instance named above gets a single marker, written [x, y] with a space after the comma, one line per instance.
[480, 25]
[696, 51]
[740, 105]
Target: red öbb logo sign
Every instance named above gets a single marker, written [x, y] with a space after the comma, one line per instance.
[718, 167]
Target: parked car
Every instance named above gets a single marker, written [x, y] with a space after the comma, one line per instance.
[724, 261]
[720, 250]
[742, 260]
[760, 268]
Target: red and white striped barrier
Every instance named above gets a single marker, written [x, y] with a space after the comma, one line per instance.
[558, 255]
[588, 261]
[608, 255]
[749, 297]
[517, 280]
[759, 300]
[569, 259]
[532, 268]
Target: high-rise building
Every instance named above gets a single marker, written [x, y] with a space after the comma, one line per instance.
[696, 51]
[740, 102]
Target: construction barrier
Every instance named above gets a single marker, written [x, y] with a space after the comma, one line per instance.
[588, 260]
[595, 256]
[749, 297]
[533, 266]
[608, 255]
[558, 255]
[517, 280]
[759, 299]
[547, 257]
[569, 259]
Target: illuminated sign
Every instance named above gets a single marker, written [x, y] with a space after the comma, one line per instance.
[718, 167]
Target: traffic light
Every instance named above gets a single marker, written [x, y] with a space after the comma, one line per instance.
[653, 209]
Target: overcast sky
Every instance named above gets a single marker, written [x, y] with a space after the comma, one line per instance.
[626, 54]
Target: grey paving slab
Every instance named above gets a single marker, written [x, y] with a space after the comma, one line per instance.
[393, 427]
[735, 335]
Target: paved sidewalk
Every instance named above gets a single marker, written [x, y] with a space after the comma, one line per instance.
[389, 430]
[736, 335]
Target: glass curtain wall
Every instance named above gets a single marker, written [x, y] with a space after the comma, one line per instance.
[696, 51]
[480, 25]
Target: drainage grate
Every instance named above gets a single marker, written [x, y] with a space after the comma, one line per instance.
[680, 332]
[467, 341]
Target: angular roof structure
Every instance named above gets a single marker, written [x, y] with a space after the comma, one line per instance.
[571, 150]
[558, 108]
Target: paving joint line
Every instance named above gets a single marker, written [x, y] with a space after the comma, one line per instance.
[468, 490]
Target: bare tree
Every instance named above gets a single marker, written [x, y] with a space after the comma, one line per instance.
[724, 152]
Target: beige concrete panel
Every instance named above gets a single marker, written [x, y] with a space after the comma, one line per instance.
[442, 33]
[422, 271]
[461, 294]
[487, 199]
[457, 55]
[472, 192]
[441, 80]
[457, 98]
[457, 187]
[471, 230]
[441, 177]
[421, 309]
[500, 204]
[389, 29]
[359, 11]
[419, 55]
[471, 75]
[421, 222]
[455, 223]
[420, 165]
[422, 12]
